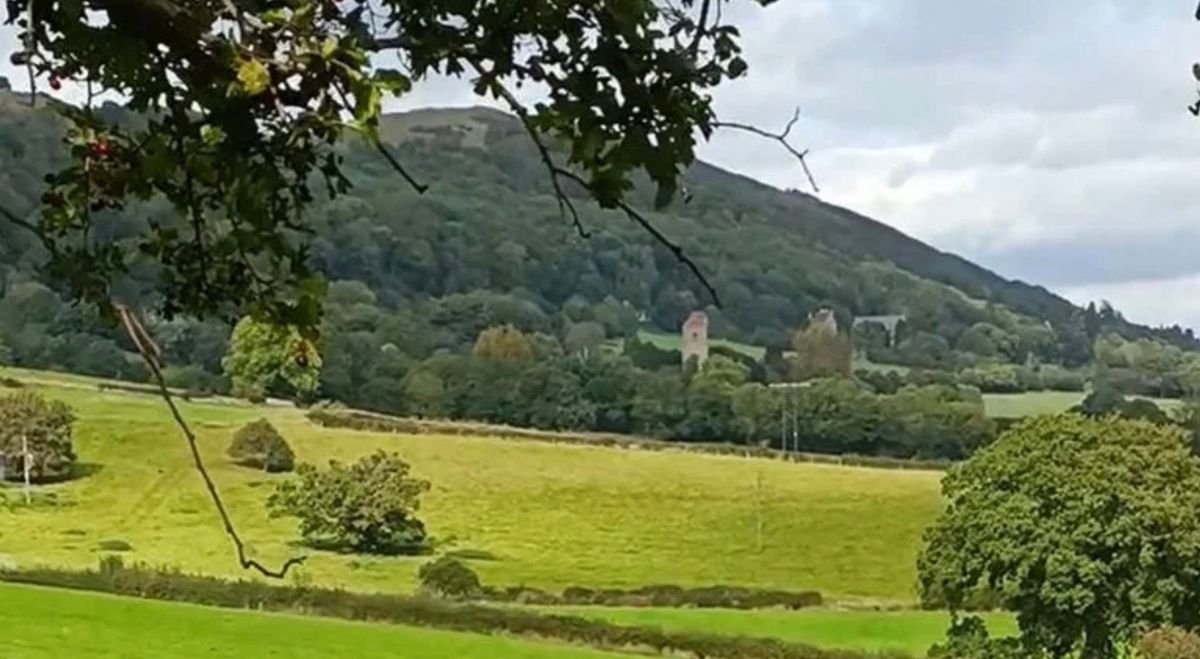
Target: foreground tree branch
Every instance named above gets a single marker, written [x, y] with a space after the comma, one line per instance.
[780, 137]
[152, 355]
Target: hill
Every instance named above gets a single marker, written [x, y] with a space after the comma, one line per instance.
[543, 515]
[488, 238]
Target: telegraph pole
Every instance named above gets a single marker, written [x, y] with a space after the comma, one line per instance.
[25, 454]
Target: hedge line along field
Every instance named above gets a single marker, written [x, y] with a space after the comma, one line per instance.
[47, 624]
[910, 632]
[548, 516]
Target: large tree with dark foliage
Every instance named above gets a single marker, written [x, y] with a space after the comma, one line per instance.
[1088, 528]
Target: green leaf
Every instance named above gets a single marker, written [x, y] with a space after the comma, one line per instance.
[254, 77]
[212, 135]
[737, 67]
[393, 81]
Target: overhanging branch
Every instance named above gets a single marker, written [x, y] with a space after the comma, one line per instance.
[781, 137]
[152, 355]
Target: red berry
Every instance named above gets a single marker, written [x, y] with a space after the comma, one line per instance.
[100, 148]
[55, 83]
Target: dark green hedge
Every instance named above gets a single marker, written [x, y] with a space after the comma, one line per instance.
[709, 597]
[140, 581]
[356, 420]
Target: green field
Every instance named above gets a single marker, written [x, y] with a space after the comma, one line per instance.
[48, 624]
[672, 341]
[1045, 402]
[552, 515]
[902, 631]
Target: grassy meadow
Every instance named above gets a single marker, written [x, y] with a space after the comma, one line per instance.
[47, 624]
[1033, 403]
[549, 516]
[911, 632]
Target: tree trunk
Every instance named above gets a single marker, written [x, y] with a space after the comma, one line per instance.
[1097, 645]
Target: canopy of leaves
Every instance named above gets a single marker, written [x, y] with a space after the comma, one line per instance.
[242, 105]
[262, 354]
[505, 343]
[1088, 528]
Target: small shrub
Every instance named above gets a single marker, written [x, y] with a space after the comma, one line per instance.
[114, 545]
[1168, 643]
[368, 507]
[46, 426]
[968, 639]
[449, 577]
[11, 383]
[258, 444]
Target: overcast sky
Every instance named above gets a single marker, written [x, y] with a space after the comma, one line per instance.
[1045, 139]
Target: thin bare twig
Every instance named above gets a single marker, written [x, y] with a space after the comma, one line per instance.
[565, 205]
[675, 249]
[382, 149]
[373, 138]
[152, 355]
[702, 27]
[781, 137]
[19, 221]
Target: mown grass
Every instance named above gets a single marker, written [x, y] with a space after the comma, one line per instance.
[911, 632]
[552, 515]
[51, 624]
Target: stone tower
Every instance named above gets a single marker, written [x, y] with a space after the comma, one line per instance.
[825, 319]
[694, 341]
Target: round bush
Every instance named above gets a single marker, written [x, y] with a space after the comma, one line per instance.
[449, 577]
[259, 445]
[45, 426]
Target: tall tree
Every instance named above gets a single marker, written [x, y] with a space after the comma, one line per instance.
[1088, 528]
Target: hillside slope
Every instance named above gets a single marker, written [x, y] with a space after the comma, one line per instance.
[488, 245]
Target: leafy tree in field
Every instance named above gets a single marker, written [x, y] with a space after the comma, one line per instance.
[261, 355]
[757, 411]
[258, 444]
[1089, 529]
[449, 577]
[424, 393]
[368, 507]
[505, 343]
[838, 416]
[583, 338]
[44, 426]
[820, 352]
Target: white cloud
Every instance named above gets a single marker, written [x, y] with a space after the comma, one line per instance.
[1153, 301]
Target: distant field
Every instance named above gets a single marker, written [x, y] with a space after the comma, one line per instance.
[902, 631]
[1033, 403]
[49, 624]
[551, 515]
[672, 341]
